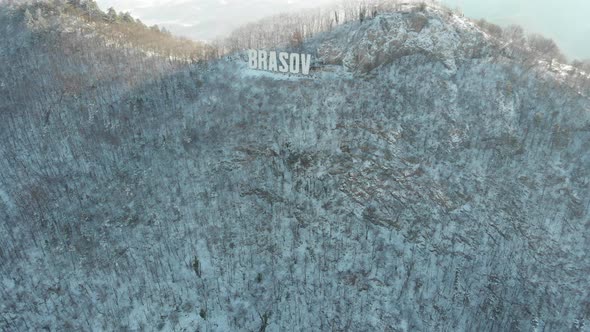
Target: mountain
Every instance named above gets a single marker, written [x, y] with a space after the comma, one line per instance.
[423, 177]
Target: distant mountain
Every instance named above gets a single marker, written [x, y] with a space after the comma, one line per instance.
[424, 177]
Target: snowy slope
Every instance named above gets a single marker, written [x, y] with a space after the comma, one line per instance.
[418, 180]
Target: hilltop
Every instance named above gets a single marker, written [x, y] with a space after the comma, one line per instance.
[72, 47]
[423, 177]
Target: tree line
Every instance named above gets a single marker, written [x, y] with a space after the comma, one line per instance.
[282, 30]
[118, 29]
[291, 29]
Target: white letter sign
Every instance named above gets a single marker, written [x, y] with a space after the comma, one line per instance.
[294, 63]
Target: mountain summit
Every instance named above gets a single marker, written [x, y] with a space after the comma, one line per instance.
[426, 176]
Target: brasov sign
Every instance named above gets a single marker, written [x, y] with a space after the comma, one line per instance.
[284, 62]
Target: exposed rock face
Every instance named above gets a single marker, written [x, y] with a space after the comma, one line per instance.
[391, 36]
[410, 184]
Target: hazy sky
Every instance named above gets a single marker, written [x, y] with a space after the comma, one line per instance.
[566, 21]
[205, 19]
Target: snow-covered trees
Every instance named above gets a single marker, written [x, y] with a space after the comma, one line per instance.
[139, 192]
[120, 29]
[582, 64]
[545, 48]
[491, 28]
[290, 29]
[112, 15]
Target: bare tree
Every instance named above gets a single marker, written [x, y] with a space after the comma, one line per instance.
[545, 48]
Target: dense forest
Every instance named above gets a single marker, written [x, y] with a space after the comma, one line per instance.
[430, 174]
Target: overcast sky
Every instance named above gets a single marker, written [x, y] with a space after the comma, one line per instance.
[566, 21]
[205, 19]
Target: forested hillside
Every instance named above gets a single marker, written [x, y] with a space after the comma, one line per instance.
[425, 177]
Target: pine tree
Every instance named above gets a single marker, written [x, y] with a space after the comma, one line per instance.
[112, 15]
